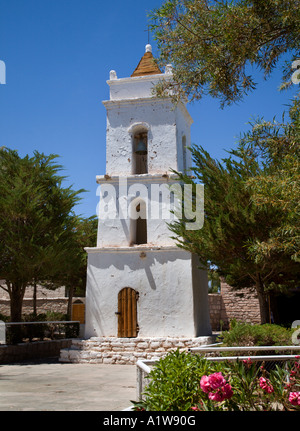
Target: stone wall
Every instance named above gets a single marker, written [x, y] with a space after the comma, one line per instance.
[43, 305]
[47, 300]
[227, 305]
[215, 310]
[126, 351]
[241, 305]
[42, 292]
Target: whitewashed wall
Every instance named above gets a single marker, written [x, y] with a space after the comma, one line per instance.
[172, 293]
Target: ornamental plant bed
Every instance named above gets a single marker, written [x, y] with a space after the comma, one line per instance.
[184, 382]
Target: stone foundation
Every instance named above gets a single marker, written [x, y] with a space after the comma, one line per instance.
[126, 351]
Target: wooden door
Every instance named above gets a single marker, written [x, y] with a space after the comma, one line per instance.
[78, 311]
[127, 313]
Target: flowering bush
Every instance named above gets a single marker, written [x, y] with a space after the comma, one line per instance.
[251, 388]
[294, 398]
[182, 382]
[266, 385]
[216, 387]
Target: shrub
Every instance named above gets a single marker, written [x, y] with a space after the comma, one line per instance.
[183, 382]
[55, 315]
[44, 317]
[34, 317]
[245, 334]
[174, 382]
[42, 330]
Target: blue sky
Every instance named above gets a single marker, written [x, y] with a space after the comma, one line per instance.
[58, 54]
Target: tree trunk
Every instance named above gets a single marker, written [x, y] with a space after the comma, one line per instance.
[34, 299]
[70, 300]
[262, 299]
[16, 301]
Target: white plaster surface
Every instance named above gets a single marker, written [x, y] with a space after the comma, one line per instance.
[133, 88]
[132, 101]
[115, 223]
[167, 126]
[172, 293]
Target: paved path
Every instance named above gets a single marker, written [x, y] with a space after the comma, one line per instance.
[55, 386]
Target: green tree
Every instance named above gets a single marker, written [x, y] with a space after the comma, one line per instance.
[214, 281]
[235, 225]
[74, 278]
[278, 185]
[72, 274]
[215, 46]
[251, 229]
[36, 223]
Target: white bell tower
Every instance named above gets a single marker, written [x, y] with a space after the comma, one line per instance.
[139, 283]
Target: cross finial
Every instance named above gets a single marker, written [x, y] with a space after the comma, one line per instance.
[148, 30]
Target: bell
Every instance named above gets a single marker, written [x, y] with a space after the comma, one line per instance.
[141, 148]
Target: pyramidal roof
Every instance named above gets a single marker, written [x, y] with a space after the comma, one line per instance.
[147, 65]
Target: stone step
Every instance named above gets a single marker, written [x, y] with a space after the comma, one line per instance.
[88, 356]
[112, 350]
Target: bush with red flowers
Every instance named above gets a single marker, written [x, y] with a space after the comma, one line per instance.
[182, 381]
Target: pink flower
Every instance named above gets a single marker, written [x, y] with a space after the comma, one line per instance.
[204, 384]
[247, 362]
[266, 385]
[227, 391]
[216, 387]
[216, 396]
[221, 394]
[294, 398]
[216, 380]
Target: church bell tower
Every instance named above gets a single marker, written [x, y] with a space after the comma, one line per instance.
[139, 283]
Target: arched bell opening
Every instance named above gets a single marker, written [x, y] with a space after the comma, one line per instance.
[138, 222]
[140, 153]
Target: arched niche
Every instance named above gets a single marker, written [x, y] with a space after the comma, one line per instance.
[138, 222]
[184, 150]
[139, 136]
